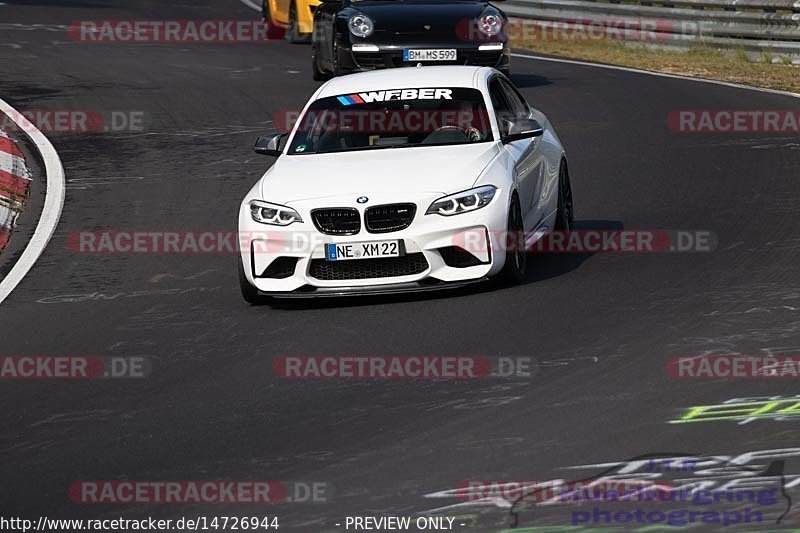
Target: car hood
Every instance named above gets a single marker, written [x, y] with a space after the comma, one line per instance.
[434, 169]
[411, 16]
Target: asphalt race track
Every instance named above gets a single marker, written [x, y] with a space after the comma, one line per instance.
[600, 326]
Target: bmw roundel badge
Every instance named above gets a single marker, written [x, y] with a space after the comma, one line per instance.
[362, 199]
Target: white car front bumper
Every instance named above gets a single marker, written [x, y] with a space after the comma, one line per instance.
[438, 250]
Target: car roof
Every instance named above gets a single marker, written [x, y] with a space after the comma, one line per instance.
[408, 77]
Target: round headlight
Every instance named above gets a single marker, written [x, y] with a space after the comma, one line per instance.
[361, 25]
[490, 25]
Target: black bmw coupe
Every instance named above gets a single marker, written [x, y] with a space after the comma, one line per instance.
[359, 35]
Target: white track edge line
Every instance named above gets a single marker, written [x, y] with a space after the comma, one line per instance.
[53, 202]
[661, 74]
[251, 4]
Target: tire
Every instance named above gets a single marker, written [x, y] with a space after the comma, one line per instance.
[316, 71]
[293, 34]
[565, 215]
[249, 293]
[273, 31]
[516, 267]
[337, 69]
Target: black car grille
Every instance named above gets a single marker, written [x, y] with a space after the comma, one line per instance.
[481, 59]
[386, 218]
[389, 267]
[457, 257]
[373, 60]
[281, 268]
[337, 221]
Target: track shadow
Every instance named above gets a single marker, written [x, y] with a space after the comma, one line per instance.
[524, 81]
[359, 301]
[541, 266]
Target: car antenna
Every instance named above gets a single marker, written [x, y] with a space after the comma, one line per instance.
[419, 65]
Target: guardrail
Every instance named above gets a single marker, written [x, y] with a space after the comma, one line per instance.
[755, 26]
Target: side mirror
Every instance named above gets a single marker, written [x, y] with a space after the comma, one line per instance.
[270, 144]
[526, 128]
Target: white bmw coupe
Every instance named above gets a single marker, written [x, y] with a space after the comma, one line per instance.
[403, 180]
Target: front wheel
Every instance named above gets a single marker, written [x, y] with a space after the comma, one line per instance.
[316, 70]
[337, 71]
[565, 215]
[516, 266]
[274, 32]
[293, 34]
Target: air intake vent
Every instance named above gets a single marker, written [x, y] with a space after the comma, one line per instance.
[280, 268]
[457, 257]
[407, 265]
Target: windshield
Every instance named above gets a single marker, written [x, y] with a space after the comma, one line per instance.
[397, 118]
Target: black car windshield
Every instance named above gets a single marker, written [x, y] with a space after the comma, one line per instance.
[397, 118]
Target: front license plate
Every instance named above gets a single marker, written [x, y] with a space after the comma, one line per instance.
[430, 55]
[362, 250]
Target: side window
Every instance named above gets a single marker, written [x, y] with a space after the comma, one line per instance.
[519, 108]
[502, 108]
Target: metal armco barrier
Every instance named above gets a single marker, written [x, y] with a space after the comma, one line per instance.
[770, 26]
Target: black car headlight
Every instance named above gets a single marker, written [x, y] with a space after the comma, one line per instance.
[273, 214]
[361, 25]
[462, 202]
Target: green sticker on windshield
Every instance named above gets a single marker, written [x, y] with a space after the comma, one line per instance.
[301, 148]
